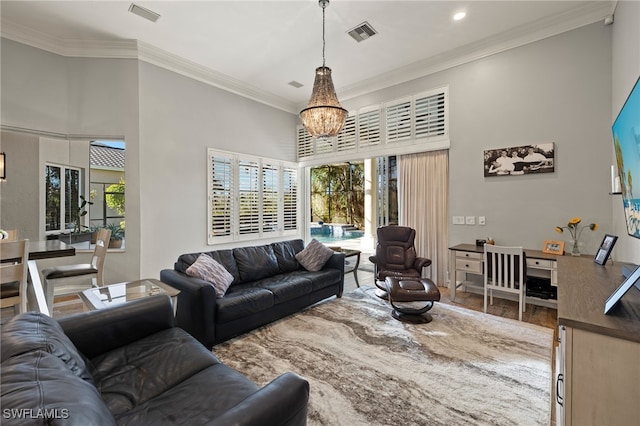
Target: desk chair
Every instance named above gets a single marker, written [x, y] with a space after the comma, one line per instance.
[13, 274]
[505, 271]
[71, 279]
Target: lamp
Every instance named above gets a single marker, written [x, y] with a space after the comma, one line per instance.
[3, 175]
[323, 116]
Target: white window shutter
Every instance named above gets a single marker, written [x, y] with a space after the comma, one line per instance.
[369, 131]
[398, 121]
[305, 143]
[290, 198]
[346, 139]
[248, 197]
[220, 196]
[269, 209]
[430, 115]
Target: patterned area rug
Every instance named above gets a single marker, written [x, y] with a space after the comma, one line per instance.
[366, 368]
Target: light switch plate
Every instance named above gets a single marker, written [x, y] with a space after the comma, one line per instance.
[481, 220]
[470, 220]
[457, 220]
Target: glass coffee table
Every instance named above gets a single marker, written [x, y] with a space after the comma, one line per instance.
[116, 294]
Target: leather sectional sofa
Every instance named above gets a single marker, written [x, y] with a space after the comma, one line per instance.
[268, 284]
[128, 365]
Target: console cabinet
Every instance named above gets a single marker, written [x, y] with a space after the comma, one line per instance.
[597, 357]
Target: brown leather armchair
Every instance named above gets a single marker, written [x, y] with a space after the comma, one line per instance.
[396, 256]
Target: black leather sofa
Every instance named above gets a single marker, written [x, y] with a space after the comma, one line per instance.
[268, 284]
[129, 365]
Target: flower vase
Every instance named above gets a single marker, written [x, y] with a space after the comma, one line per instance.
[575, 251]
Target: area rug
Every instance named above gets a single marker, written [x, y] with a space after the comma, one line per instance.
[366, 368]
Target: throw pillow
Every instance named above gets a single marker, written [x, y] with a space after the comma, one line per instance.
[314, 256]
[206, 268]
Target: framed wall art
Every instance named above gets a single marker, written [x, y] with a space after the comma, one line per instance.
[520, 160]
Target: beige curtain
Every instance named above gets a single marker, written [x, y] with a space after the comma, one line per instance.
[423, 203]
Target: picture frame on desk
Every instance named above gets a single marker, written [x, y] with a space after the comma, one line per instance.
[602, 255]
[553, 247]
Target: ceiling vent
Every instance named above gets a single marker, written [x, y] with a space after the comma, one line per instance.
[144, 13]
[295, 84]
[362, 32]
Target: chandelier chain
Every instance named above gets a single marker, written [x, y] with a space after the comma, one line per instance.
[324, 6]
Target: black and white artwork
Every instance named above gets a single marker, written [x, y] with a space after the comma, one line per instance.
[520, 160]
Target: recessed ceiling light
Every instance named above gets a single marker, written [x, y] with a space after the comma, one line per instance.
[458, 16]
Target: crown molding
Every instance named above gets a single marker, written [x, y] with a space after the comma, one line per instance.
[517, 37]
[122, 49]
[133, 49]
[179, 65]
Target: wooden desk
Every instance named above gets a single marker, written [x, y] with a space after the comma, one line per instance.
[39, 250]
[469, 259]
[597, 371]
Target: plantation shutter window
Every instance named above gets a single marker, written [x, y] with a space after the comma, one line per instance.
[346, 139]
[250, 197]
[398, 121]
[220, 196]
[290, 198]
[411, 124]
[269, 198]
[369, 128]
[430, 115]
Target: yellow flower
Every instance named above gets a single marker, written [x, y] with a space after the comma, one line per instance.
[593, 226]
[559, 230]
[575, 221]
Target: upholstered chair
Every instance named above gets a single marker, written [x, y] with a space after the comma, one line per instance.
[396, 256]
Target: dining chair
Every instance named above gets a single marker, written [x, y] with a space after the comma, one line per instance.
[505, 271]
[10, 234]
[13, 274]
[71, 279]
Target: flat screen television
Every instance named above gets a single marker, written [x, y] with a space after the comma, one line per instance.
[626, 141]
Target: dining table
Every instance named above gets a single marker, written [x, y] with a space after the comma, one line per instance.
[38, 250]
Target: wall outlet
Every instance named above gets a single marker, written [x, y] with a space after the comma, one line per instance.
[481, 220]
[470, 220]
[458, 220]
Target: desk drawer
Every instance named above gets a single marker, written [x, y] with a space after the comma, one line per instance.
[540, 263]
[469, 265]
[469, 255]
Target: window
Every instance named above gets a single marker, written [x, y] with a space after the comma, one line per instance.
[250, 198]
[412, 124]
[62, 197]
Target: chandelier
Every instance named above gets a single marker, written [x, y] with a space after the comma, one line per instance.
[323, 116]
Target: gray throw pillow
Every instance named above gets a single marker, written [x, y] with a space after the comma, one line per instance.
[314, 256]
[206, 268]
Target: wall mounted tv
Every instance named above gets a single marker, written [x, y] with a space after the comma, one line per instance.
[626, 141]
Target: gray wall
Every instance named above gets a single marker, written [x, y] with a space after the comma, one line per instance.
[625, 71]
[168, 121]
[179, 119]
[554, 90]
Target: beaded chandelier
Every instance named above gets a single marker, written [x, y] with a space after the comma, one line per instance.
[323, 116]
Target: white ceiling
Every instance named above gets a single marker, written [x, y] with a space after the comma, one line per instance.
[255, 48]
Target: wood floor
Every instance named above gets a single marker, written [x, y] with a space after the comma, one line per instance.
[538, 315]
